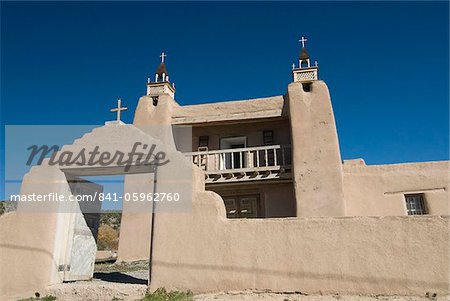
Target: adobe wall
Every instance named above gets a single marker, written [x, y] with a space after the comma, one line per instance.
[230, 110]
[317, 168]
[34, 238]
[360, 255]
[156, 120]
[135, 228]
[279, 200]
[379, 190]
[34, 252]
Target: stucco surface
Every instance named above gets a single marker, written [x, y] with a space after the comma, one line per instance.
[230, 110]
[32, 252]
[156, 121]
[33, 242]
[316, 158]
[205, 252]
[379, 190]
[135, 228]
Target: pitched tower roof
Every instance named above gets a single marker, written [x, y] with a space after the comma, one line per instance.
[303, 54]
[161, 74]
[162, 69]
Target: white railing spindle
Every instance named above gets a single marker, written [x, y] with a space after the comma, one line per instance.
[275, 157]
[266, 157]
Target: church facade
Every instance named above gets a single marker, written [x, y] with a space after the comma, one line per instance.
[279, 156]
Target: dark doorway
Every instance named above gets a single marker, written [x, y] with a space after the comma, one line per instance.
[237, 157]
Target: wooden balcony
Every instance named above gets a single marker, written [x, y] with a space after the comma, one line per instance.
[244, 164]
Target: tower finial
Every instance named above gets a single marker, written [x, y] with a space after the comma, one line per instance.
[161, 72]
[162, 56]
[162, 84]
[303, 40]
[304, 72]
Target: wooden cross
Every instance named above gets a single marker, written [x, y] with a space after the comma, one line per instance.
[119, 108]
[303, 40]
[162, 56]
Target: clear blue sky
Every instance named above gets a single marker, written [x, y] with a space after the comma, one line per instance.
[386, 63]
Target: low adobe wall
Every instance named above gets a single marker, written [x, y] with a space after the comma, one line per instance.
[203, 251]
[379, 190]
[27, 257]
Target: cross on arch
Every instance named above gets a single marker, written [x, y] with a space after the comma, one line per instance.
[119, 108]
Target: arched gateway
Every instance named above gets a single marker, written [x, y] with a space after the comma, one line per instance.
[53, 241]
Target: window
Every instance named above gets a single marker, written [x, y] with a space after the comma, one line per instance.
[203, 141]
[155, 100]
[415, 204]
[268, 137]
[307, 87]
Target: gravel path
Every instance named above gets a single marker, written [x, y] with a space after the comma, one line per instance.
[97, 290]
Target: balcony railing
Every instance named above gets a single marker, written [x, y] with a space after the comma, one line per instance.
[241, 164]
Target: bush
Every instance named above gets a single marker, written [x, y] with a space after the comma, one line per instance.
[111, 218]
[162, 295]
[107, 238]
[37, 298]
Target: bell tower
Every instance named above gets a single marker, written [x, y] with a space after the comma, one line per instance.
[161, 85]
[304, 72]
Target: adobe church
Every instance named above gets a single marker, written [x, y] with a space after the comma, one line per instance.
[272, 206]
[279, 156]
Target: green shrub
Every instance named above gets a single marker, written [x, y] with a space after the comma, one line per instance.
[162, 295]
[46, 298]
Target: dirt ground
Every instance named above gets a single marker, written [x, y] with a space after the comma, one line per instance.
[254, 296]
[129, 282]
[107, 291]
[96, 290]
